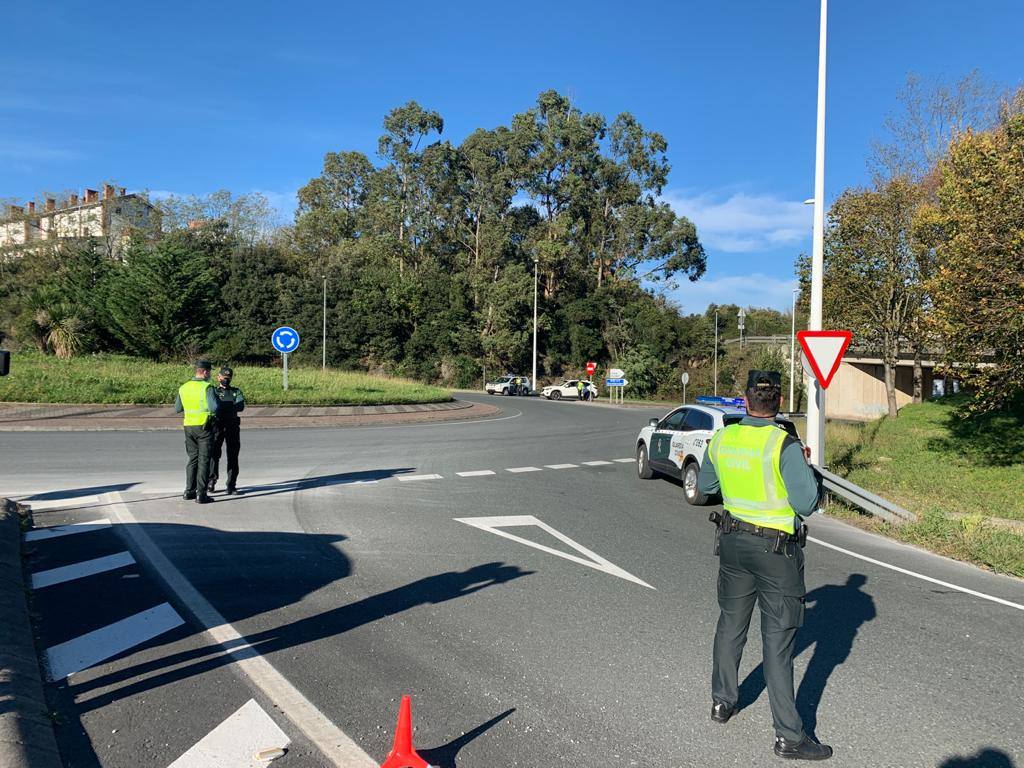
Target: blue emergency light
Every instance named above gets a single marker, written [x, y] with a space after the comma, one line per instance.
[736, 402]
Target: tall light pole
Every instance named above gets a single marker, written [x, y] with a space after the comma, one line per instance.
[816, 402]
[716, 353]
[534, 379]
[792, 349]
[324, 350]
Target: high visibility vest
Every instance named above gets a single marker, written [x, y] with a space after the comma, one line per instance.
[193, 400]
[747, 461]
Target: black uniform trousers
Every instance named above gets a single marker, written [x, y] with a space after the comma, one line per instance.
[750, 571]
[198, 441]
[225, 433]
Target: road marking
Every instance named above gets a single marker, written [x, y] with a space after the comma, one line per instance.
[45, 505]
[624, 461]
[592, 559]
[414, 478]
[476, 473]
[41, 534]
[916, 575]
[87, 650]
[562, 466]
[334, 743]
[596, 463]
[233, 743]
[81, 570]
[523, 469]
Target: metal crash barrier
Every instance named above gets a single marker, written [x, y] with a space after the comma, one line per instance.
[863, 499]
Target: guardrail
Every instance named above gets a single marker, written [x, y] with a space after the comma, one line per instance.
[866, 500]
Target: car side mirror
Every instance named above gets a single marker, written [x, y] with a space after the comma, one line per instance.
[653, 422]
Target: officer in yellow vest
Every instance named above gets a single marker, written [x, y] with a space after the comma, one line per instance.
[766, 485]
[198, 402]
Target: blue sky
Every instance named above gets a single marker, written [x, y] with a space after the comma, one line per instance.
[191, 97]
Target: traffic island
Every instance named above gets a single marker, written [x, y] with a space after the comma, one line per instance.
[26, 730]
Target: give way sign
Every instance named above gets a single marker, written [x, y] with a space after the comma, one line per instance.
[824, 352]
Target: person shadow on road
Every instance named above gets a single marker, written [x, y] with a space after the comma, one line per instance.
[830, 625]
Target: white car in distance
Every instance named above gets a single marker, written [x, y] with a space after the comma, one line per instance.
[568, 389]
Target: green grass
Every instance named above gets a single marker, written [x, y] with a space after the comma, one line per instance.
[956, 473]
[38, 378]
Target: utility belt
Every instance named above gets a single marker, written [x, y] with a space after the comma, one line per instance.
[782, 543]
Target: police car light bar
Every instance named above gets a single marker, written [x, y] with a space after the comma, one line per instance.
[737, 402]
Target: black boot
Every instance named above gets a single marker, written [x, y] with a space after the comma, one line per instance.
[807, 749]
[204, 499]
[231, 491]
[721, 713]
[188, 495]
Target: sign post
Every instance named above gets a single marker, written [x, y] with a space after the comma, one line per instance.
[822, 353]
[285, 340]
[685, 378]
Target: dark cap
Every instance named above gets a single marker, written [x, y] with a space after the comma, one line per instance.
[225, 371]
[764, 379]
[204, 365]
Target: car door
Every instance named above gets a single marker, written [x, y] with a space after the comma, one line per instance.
[569, 389]
[661, 440]
[698, 428]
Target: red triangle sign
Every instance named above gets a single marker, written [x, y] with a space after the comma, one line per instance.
[824, 351]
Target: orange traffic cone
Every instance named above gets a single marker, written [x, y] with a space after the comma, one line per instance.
[402, 755]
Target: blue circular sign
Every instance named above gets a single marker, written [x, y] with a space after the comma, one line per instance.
[285, 339]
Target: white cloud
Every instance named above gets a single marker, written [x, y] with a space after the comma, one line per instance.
[755, 290]
[740, 222]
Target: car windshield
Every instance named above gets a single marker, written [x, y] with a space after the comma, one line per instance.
[784, 424]
[503, 380]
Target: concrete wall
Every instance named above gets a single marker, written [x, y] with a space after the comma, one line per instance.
[858, 390]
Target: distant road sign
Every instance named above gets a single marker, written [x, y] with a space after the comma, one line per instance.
[591, 367]
[616, 373]
[824, 351]
[285, 339]
[685, 378]
[615, 382]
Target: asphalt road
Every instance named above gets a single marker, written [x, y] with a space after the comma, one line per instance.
[350, 567]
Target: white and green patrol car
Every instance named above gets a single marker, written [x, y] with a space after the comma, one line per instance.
[674, 445]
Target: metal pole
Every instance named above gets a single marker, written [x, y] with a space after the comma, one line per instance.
[816, 401]
[325, 324]
[792, 350]
[534, 379]
[716, 353]
[285, 370]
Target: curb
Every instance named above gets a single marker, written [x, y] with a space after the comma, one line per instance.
[26, 730]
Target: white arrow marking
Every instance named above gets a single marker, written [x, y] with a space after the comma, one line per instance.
[237, 741]
[592, 559]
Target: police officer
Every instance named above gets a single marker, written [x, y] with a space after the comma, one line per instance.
[197, 401]
[226, 429]
[766, 485]
[580, 389]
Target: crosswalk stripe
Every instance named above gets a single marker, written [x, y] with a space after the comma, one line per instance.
[414, 478]
[523, 469]
[87, 650]
[476, 473]
[80, 570]
[562, 466]
[596, 463]
[40, 534]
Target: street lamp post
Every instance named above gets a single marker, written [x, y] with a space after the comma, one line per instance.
[716, 353]
[792, 349]
[816, 402]
[324, 345]
[534, 379]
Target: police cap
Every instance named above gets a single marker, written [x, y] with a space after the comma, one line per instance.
[764, 380]
[225, 371]
[203, 365]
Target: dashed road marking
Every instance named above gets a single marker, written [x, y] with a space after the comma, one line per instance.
[235, 742]
[81, 570]
[415, 478]
[562, 466]
[624, 461]
[87, 650]
[40, 534]
[523, 469]
[596, 463]
[476, 473]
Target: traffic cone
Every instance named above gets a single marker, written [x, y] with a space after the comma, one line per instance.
[402, 755]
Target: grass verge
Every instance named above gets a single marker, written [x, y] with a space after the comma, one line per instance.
[110, 379]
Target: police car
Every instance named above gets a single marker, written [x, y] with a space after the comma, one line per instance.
[675, 444]
[508, 385]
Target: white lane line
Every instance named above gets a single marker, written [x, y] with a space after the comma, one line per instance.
[414, 478]
[917, 575]
[476, 473]
[596, 463]
[81, 570]
[334, 743]
[45, 505]
[562, 466]
[93, 647]
[624, 461]
[237, 741]
[517, 470]
[357, 482]
[40, 534]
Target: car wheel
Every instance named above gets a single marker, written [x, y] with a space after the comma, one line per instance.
[643, 466]
[691, 476]
[556, 395]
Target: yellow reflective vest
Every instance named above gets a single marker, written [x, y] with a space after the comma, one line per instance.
[193, 401]
[747, 462]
